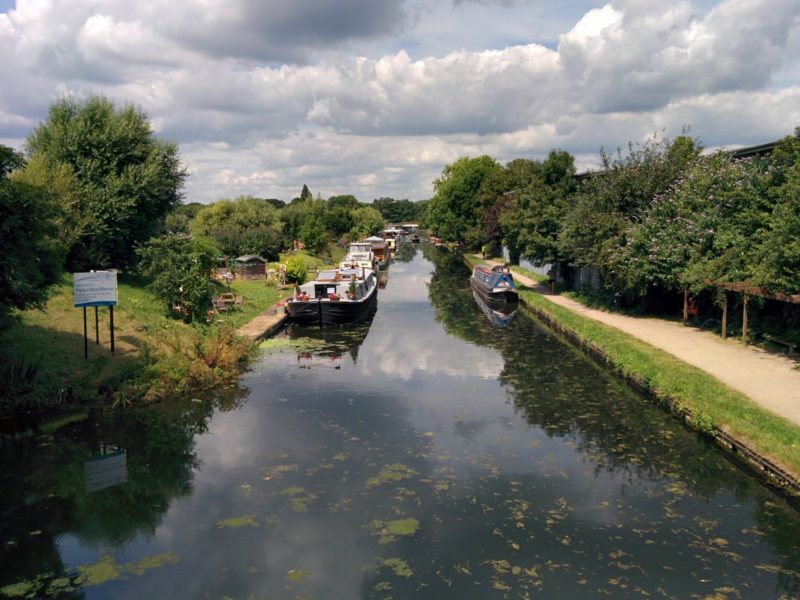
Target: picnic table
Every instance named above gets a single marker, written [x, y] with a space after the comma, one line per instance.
[226, 301]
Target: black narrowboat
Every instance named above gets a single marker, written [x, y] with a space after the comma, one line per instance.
[335, 297]
[495, 284]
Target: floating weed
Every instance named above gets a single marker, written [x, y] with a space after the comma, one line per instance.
[236, 522]
[399, 566]
[292, 491]
[104, 570]
[390, 531]
[21, 589]
[382, 586]
[300, 504]
[390, 473]
[278, 471]
[298, 575]
[341, 457]
[155, 561]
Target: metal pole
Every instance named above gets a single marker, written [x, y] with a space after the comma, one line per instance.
[112, 329]
[96, 327]
[85, 336]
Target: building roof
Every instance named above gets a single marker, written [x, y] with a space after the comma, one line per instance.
[250, 258]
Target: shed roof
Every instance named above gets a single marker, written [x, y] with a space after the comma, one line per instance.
[250, 258]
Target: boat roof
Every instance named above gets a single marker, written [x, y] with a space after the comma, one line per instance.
[373, 238]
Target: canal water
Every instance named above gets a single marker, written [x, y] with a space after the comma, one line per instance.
[438, 451]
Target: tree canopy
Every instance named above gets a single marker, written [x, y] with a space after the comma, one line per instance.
[123, 179]
[454, 211]
[245, 225]
[31, 257]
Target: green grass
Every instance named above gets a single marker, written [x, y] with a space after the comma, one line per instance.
[712, 403]
[530, 274]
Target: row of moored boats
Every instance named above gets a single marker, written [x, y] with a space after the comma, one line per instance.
[349, 293]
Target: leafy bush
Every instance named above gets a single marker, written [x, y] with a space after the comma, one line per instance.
[296, 270]
[179, 268]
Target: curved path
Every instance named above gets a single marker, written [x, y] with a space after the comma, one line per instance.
[771, 380]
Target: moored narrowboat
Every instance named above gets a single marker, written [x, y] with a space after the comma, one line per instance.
[335, 297]
[494, 283]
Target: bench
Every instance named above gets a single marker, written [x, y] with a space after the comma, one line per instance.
[791, 346]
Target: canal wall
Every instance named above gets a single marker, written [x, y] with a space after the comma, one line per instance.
[736, 450]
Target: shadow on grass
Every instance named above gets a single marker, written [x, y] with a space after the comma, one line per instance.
[62, 377]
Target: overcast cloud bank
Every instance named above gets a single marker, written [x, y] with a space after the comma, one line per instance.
[359, 97]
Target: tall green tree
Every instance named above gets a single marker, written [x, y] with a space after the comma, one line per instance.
[600, 212]
[127, 178]
[531, 218]
[31, 257]
[367, 221]
[454, 212]
[245, 225]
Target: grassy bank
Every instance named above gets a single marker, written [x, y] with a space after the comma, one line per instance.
[711, 403]
[157, 356]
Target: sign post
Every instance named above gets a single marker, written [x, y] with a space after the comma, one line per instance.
[96, 288]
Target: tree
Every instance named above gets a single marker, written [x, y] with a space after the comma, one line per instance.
[532, 216]
[30, 256]
[368, 221]
[346, 201]
[305, 194]
[599, 213]
[397, 211]
[313, 233]
[245, 225]
[179, 269]
[127, 179]
[453, 212]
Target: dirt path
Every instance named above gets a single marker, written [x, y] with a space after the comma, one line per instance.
[771, 380]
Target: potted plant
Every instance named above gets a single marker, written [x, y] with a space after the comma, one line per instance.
[351, 291]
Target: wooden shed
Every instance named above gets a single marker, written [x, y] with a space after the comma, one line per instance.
[251, 266]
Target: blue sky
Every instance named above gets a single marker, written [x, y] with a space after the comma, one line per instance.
[374, 98]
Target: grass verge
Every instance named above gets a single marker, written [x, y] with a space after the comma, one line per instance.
[712, 404]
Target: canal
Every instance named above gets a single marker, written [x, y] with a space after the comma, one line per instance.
[429, 453]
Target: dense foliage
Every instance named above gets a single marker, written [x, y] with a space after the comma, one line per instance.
[178, 268]
[455, 211]
[246, 225]
[120, 179]
[658, 217]
[30, 256]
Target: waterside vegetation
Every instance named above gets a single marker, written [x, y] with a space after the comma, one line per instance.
[688, 390]
[96, 189]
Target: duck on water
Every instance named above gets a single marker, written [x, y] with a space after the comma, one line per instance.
[335, 297]
[494, 284]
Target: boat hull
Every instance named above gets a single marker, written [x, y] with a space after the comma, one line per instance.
[329, 313]
[494, 297]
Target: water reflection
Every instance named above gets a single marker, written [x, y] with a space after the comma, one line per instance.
[444, 458]
[500, 314]
[105, 470]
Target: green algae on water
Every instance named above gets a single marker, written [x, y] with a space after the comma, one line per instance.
[104, 570]
[235, 522]
[298, 575]
[389, 473]
[399, 566]
[390, 531]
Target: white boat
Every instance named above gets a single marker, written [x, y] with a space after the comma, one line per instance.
[335, 297]
[359, 256]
